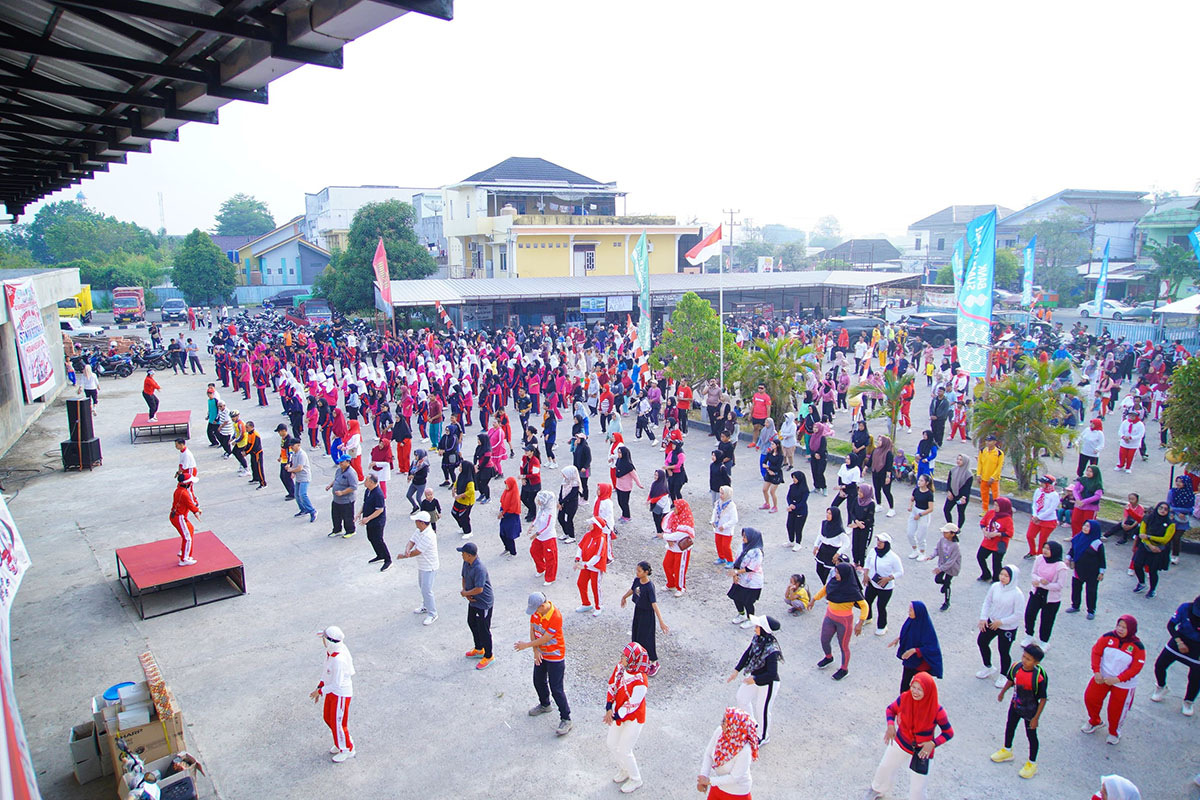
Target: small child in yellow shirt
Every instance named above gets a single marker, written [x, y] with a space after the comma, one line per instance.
[796, 595]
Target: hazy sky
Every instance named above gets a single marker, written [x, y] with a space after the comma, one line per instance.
[876, 112]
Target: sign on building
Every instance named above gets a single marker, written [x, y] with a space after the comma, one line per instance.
[592, 305]
[621, 303]
[33, 353]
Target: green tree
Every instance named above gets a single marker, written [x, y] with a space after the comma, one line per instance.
[349, 280]
[1176, 264]
[97, 238]
[201, 270]
[889, 407]
[1008, 270]
[945, 275]
[746, 255]
[244, 215]
[780, 365]
[1062, 242]
[14, 256]
[689, 349]
[827, 233]
[1018, 410]
[793, 256]
[1182, 414]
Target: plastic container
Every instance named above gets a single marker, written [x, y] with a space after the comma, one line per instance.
[112, 694]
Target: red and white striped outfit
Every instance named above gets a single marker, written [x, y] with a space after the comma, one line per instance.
[1116, 658]
[593, 558]
[337, 688]
[183, 503]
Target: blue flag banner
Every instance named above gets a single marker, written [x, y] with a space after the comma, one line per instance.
[956, 266]
[1194, 238]
[975, 299]
[1102, 281]
[1027, 281]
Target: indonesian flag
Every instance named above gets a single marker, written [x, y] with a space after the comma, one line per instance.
[380, 265]
[708, 247]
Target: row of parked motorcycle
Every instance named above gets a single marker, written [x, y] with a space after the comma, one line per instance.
[121, 365]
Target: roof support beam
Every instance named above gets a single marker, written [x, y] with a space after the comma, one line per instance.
[440, 9]
[50, 50]
[86, 93]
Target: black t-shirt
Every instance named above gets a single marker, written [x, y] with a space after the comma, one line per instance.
[643, 597]
[923, 499]
[372, 500]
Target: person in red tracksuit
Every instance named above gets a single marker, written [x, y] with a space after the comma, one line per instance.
[678, 525]
[183, 502]
[149, 387]
[1117, 658]
[337, 688]
[592, 558]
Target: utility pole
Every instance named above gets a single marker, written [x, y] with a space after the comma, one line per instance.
[721, 297]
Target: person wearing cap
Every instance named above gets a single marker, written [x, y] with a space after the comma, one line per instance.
[548, 643]
[285, 477]
[1043, 515]
[254, 453]
[301, 474]
[344, 486]
[422, 545]
[477, 589]
[337, 688]
[625, 713]
[760, 665]
[183, 502]
[374, 517]
[989, 467]
[149, 387]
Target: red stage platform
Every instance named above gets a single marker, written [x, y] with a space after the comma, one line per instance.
[170, 424]
[150, 568]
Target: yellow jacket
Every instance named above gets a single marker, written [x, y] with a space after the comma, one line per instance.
[990, 464]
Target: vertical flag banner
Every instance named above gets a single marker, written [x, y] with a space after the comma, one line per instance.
[975, 299]
[1027, 281]
[33, 354]
[17, 777]
[380, 265]
[706, 248]
[956, 267]
[1194, 238]
[640, 257]
[1102, 281]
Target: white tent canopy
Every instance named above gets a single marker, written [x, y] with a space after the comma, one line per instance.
[1188, 305]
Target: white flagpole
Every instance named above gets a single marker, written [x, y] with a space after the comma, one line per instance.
[721, 318]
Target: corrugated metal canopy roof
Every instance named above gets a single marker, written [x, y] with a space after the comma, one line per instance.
[84, 82]
[458, 292]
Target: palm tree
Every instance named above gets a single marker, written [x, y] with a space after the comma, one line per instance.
[890, 392]
[1018, 411]
[779, 365]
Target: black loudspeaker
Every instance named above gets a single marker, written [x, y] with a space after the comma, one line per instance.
[79, 420]
[82, 454]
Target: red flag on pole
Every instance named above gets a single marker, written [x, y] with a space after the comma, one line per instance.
[379, 263]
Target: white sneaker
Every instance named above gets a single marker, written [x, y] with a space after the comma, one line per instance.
[881, 632]
[924, 557]
[596, 613]
[621, 777]
[1113, 739]
[631, 785]
[1028, 640]
[343, 755]
[1158, 694]
[1174, 559]
[430, 619]
[547, 583]
[1088, 727]
[421, 610]
[985, 673]
[333, 751]
[583, 609]
[738, 620]
[746, 625]
[678, 592]
[1044, 645]
[1187, 709]
[796, 548]
[891, 512]
[913, 554]
[1000, 681]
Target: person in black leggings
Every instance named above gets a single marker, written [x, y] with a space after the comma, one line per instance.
[418, 474]
[883, 471]
[958, 490]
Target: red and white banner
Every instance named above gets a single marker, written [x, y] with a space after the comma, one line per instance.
[708, 247]
[33, 353]
[380, 265]
[442, 315]
[17, 778]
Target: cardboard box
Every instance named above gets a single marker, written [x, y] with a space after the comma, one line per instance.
[152, 741]
[82, 742]
[104, 744]
[138, 693]
[98, 713]
[88, 771]
[134, 717]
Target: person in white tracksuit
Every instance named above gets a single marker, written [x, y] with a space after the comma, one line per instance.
[337, 688]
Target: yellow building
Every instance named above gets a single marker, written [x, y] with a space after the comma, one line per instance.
[529, 218]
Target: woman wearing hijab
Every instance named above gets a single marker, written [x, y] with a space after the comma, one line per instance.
[402, 436]
[679, 532]
[510, 516]
[771, 462]
[483, 468]
[1089, 563]
[797, 505]
[592, 558]
[861, 515]
[352, 447]
[1117, 658]
[543, 545]
[834, 541]
[818, 452]
[787, 438]
[842, 595]
[725, 767]
[860, 440]
[848, 476]
[531, 479]
[676, 474]
[1182, 500]
[927, 451]
[464, 498]
[568, 503]
[418, 474]
[760, 666]
[381, 461]
[1048, 581]
[1088, 490]
[1114, 787]
[724, 522]
[911, 722]
[883, 471]
[747, 575]
[917, 646]
[1183, 647]
[625, 713]
[659, 499]
[626, 477]
[997, 526]
[958, 489]
[1153, 540]
[767, 434]
[998, 619]
[880, 572]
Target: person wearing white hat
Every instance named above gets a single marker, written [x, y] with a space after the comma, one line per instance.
[760, 665]
[337, 688]
[423, 547]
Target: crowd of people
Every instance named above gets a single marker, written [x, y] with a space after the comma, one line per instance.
[392, 411]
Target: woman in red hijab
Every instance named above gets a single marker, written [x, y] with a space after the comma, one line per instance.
[725, 768]
[592, 558]
[911, 723]
[353, 447]
[679, 531]
[381, 461]
[510, 515]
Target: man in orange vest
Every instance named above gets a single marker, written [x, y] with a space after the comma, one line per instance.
[549, 647]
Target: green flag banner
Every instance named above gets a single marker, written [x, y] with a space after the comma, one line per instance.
[640, 258]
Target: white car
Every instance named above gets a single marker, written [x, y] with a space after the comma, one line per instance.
[74, 327]
[1112, 310]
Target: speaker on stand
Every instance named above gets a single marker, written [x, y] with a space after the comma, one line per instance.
[82, 449]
